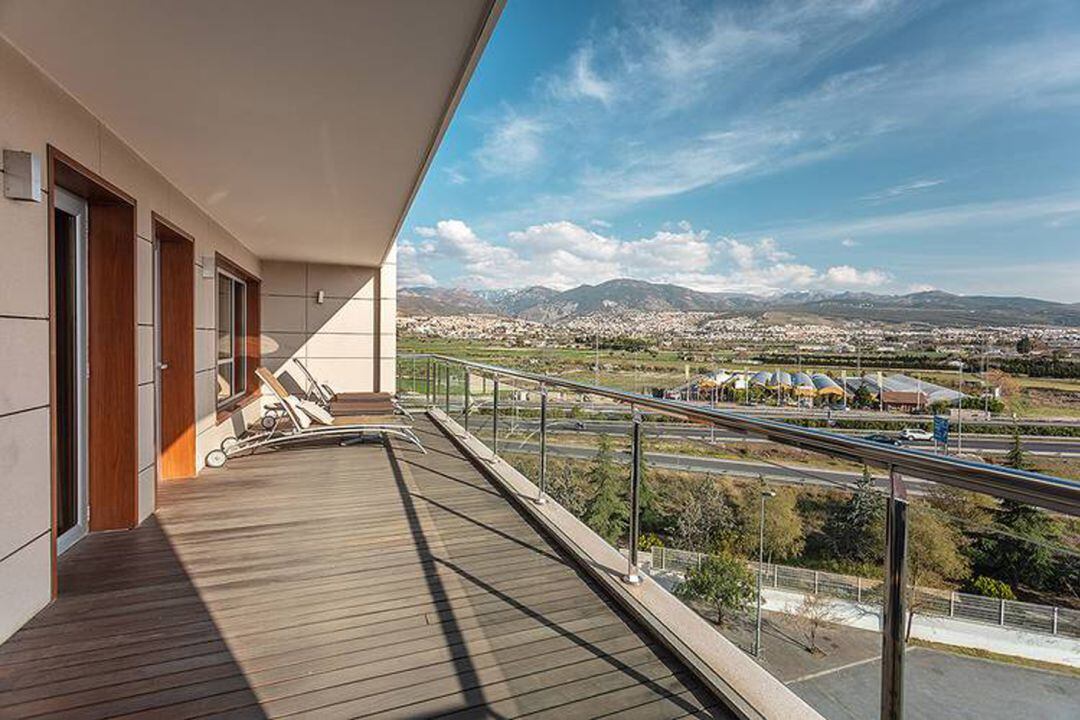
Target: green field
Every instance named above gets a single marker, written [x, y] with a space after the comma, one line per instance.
[1035, 398]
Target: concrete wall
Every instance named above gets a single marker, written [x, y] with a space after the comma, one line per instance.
[35, 112]
[347, 340]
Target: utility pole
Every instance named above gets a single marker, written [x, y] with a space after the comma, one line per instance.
[765, 494]
[596, 361]
[960, 412]
[880, 392]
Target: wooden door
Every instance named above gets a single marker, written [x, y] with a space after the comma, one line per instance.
[113, 409]
[176, 263]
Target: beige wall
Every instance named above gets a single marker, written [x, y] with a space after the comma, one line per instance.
[34, 112]
[344, 338]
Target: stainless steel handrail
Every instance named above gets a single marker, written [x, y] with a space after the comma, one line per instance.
[1046, 491]
[1033, 488]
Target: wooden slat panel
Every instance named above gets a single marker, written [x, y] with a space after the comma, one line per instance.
[113, 409]
[336, 582]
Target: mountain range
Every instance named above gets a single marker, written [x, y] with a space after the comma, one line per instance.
[545, 305]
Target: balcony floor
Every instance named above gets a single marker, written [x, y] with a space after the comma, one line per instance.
[336, 582]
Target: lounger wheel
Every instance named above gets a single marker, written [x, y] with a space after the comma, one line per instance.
[216, 458]
[228, 443]
[268, 422]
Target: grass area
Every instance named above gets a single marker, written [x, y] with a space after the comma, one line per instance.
[1035, 398]
[996, 657]
[1062, 385]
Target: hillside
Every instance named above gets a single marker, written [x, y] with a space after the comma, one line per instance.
[546, 305]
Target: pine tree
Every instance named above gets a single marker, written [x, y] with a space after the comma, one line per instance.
[856, 528]
[606, 512]
[1015, 457]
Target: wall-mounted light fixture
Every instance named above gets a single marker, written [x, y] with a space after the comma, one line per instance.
[22, 175]
[208, 263]
[320, 297]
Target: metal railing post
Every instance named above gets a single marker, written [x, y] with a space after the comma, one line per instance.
[1001, 612]
[495, 415]
[446, 388]
[632, 575]
[1054, 628]
[952, 603]
[540, 498]
[895, 590]
[858, 589]
[465, 403]
[427, 384]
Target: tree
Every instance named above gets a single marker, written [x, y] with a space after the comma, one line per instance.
[1023, 345]
[935, 555]
[567, 487]
[811, 615]
[606, 511]
[722, 581]
[1015, 458]
[973, 509]
[705, 521]
[856, 528]
[784, 535]
[652, 519]
[1021, 553]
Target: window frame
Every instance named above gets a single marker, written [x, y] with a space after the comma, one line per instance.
[243, 336]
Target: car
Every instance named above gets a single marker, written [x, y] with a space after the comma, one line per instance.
[884, 439]
[916, 434]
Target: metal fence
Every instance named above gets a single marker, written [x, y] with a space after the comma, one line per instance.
[931, 602]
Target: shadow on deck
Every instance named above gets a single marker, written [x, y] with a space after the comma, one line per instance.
[336, 582]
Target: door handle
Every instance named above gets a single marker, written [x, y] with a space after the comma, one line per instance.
[163, 366]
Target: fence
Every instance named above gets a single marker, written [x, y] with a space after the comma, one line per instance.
[925, 601]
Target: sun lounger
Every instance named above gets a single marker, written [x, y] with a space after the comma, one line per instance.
[300, 420]
[353, 403]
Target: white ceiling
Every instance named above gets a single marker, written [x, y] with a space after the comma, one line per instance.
[303, 127]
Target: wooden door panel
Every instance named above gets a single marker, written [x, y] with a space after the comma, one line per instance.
[177, 297]
[113, 405]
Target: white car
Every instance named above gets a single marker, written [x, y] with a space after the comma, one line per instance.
[916, 434]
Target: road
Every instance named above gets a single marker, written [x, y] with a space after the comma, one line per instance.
[988, 444]
[690, 463]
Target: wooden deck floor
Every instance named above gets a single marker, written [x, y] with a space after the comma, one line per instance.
[336, 582]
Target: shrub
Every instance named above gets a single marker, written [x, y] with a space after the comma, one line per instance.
[992, 587]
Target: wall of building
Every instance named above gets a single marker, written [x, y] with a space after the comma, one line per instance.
[34, 113]
[347, 340]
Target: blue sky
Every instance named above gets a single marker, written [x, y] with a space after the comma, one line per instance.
[764, 147]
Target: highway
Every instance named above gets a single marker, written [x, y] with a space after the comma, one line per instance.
[690, 463]
[986, 444]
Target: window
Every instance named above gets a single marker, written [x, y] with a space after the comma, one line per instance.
[231, 337]
[237, 342]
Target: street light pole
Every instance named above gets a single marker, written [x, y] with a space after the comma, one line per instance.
[765, 494]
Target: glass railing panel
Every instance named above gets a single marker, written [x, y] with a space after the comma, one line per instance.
[988, 581]
[731, 522]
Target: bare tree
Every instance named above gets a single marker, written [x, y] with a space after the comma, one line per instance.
[813, 613]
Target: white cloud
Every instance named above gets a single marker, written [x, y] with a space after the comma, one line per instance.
[849, 242]
[582, 81]
[949, 216]
[512, 146]
[596, 222]
[903, 189]
[563, 254]
[455, 176]
[845, 276]
[409, 262]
